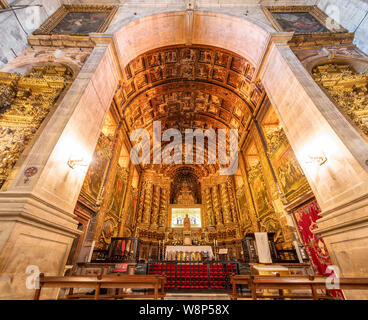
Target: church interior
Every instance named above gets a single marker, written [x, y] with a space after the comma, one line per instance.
[80, 219]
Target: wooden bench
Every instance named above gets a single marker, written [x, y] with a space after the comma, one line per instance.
[295, 282]
[240, 280]
[116, 281]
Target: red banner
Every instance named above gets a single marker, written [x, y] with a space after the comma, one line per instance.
[319, 257]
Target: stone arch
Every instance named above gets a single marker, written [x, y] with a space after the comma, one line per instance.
[303, 109]
[245, 37]
[360, 64]
[24, 65]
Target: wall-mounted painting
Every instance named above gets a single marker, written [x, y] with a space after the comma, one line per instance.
[120, 185]
[301, 19]
[290, 176]
[78, 20]
[96, 172]
[258, 187]
[300, 22]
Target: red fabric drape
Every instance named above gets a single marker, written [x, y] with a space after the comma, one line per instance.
[306, 218]
[122, 247]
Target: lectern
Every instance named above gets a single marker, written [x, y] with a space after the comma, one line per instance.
[250, 248]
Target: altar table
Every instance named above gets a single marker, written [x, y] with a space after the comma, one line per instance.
[170, 250]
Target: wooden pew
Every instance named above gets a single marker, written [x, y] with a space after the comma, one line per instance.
[302, 283]
[119, 281]
[240, 280]
[296, 282]
[155, 282]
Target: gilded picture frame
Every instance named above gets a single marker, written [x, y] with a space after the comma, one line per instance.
[99, 24]
[326, 23]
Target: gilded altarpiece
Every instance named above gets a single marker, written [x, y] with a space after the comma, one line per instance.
[221, 217]
[348, 89]
[25, 101]
[263, 190]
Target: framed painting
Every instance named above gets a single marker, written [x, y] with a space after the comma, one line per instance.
[93, 181]
[120, 185]
[301, 20]
[259, 190]
[78, 20]
[287, 169]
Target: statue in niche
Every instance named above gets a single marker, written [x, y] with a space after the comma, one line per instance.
[186, 223]
[185, 196]
[186, 232]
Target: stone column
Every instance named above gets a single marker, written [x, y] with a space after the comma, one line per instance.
[315, 127]
[37, 224]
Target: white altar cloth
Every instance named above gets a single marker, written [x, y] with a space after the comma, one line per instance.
[208, 249]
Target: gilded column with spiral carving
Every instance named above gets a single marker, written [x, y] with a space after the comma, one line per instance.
[155, 205]
[234, 212]
[163, 207]
[225, 204]
[147, 203]
[141, 202]
[209, 209]
[216, 206]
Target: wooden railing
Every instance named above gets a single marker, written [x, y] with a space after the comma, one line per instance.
[312, 287]
[114, 281]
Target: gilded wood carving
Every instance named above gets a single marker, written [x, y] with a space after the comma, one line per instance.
[25, 101]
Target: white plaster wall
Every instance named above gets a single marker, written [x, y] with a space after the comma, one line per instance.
[352, 15]
[13, 39]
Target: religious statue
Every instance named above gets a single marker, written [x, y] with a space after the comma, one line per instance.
[185, 196]
[186, 223]
[186, 232]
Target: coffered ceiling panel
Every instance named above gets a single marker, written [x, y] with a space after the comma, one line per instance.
[189, 87]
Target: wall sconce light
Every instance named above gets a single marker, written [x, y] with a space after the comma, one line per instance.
[72, 163]
[317, 151]
[81, 162]
[316, 160]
